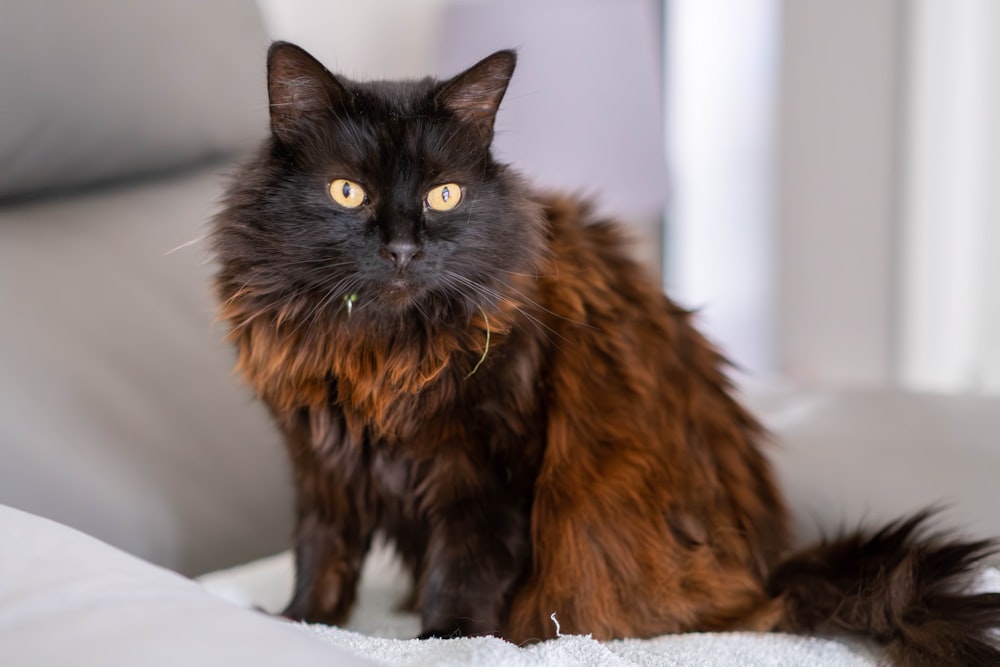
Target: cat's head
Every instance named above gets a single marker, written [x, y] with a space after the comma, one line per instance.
[378, 198]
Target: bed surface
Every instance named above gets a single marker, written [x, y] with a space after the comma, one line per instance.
[67, 598]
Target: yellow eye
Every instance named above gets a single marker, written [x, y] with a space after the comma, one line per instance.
[444, 197]
[347, 193]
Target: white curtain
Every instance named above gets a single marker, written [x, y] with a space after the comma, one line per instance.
[949, 279]
[721, 87]
[836, 186]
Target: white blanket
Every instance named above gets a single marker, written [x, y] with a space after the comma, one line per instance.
[66, 598]
[379, 633]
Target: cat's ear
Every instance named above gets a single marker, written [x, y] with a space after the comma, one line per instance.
[475, 94]
[297, 86]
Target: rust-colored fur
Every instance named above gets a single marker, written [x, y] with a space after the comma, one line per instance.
[514, 402]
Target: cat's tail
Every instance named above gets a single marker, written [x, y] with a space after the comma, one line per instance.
[907, 588]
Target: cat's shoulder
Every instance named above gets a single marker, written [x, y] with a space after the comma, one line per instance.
[591, 271]
[578, 232]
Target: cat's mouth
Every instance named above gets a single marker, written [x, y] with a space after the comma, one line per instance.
[398, 284]
[400, 291]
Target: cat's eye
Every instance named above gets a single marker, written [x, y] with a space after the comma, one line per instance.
[444, 197]
[347, 193]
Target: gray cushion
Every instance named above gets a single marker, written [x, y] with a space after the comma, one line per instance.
[871, 455]
[97, 90]
[119, 411]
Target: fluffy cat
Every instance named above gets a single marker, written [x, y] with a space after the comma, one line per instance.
[479, 371]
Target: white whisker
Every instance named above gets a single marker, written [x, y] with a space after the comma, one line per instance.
[188, 244]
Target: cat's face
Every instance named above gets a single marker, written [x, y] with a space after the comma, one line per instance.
[375, 198]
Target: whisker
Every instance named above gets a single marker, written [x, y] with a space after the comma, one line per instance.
[186, 244]
[537, 305]
[494, 295]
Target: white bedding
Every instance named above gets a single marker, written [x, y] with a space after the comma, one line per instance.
[378, 632]
[67, 598]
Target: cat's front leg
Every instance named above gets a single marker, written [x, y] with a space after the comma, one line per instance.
[475, 556]
[334, 520]
[328, 559]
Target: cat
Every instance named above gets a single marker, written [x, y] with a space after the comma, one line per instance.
[479, 371]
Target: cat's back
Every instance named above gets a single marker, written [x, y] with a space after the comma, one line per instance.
[590, 274]
[622, 361]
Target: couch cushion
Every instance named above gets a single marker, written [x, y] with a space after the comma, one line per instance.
[870, 455]
[99, 90]
[119, 411]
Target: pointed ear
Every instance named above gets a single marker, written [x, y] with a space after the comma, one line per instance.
[298, 85]
[475, 94]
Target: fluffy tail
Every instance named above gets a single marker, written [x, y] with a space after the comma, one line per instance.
[904, 587]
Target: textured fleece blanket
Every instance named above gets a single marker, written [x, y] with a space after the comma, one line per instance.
[380, 633]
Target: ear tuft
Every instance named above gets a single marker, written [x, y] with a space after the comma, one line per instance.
[297, 86]
[475, 94]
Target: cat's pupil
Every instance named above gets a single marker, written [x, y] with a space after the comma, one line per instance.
[346, 190]
[445, 195]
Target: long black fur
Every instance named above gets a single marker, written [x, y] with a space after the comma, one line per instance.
[905, 587]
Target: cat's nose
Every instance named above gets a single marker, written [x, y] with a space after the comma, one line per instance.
[401, 252]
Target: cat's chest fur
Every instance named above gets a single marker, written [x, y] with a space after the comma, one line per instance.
[424, 396]
[396, 381]
[448, 433]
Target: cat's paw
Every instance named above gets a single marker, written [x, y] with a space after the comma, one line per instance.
[455, 633]
[302, 613]
[460, 628]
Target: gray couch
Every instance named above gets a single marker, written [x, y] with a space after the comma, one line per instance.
[119, 414]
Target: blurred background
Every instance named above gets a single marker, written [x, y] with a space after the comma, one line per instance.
[827, 171]
[818, 179]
